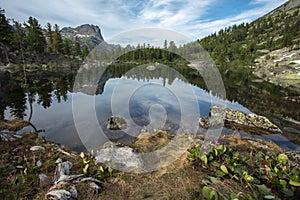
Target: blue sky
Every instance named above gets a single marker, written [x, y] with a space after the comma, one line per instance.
[192, 18]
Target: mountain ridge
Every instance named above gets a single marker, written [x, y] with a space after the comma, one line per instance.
[88, 34]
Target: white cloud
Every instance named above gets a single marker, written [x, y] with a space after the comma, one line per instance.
[202, 28]
[173, 12]
[117, 16]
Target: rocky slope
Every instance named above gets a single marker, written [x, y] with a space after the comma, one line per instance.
[287, 6]
[281, 66]
[89, 35]
[269, 45]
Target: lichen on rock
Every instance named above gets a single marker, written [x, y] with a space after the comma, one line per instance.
[238, 120]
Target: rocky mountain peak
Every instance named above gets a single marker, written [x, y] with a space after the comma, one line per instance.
[88, 34]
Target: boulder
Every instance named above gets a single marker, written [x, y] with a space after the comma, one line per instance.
[116, 123]
[238, 120]
[121, 158]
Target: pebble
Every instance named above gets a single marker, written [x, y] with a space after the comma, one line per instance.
[39, 163]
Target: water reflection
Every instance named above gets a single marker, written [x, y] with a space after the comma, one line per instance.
[46, 100]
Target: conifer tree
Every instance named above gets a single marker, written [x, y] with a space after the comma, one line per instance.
[49, 38]
[19, 36]
[35, 40]
[77, 48]
[57, 40]
[5, 28]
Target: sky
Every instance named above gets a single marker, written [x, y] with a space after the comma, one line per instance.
[191, 18]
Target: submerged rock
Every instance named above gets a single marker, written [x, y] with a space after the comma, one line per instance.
[116, 123]
[238, 120]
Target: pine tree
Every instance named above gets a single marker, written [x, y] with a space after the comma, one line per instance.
[85, 51]
[49, 38]
[19, 36]
[67, 44]
[5, 28]
[35, 40]
[57, 40]
[77, 48]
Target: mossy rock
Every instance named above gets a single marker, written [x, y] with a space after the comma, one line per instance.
[149, 142]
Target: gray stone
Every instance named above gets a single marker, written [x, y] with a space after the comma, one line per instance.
[59, 194]
[116, 123]
[238, 120]
[294, 157]
[39, 163]
[121, 158]
[37, 148]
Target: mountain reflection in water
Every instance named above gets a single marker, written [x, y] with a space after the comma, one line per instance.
[151, 99]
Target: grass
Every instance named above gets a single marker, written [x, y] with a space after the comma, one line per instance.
[235, 170]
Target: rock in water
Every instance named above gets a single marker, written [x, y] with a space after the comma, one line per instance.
[234, 119]
[116, 123]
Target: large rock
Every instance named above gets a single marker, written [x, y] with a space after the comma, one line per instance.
[121, 158]
[237, 120]
[150, 152]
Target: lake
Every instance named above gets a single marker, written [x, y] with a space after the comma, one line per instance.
[149, 97]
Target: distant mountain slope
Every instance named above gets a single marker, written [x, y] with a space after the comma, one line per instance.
[287, 6]
[89, 35]
[270, 45]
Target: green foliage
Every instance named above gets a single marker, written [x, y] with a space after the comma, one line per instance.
[19, 36]
[5, 28]
[77, 48]
[35, 40]
[237, 45]
[67, 45]
[30, 38]
[85, 51]
[268, 173]
[91, 168]
[149, 54]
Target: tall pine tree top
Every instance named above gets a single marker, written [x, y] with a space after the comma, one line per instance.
[5, 28]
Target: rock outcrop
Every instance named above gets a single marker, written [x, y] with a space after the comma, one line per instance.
[237, 120]
[89, 35]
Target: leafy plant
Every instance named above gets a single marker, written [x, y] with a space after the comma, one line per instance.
[267, 173]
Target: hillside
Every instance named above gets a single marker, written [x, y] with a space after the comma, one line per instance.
[269, 45]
